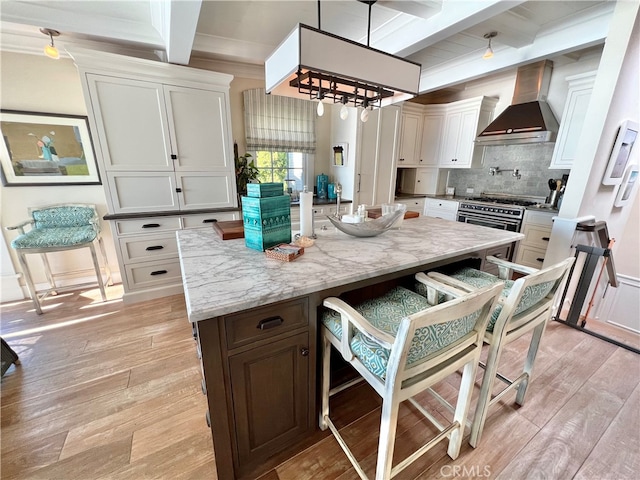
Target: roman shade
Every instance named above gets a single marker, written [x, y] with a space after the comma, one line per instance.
[277, 123]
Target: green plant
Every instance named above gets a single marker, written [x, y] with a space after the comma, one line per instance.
[246, 170]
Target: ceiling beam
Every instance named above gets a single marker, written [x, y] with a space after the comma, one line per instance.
[549, 43]
[176, 21]
[453, 18]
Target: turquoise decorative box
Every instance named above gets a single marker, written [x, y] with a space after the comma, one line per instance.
[267, 221]
[262, 190]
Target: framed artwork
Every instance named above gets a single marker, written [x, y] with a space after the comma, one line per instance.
[339, 155]
[628, 186]
[46, 149]
[621, 153]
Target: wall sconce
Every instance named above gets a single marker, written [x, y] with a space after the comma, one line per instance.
[50, 50]
[489, 51]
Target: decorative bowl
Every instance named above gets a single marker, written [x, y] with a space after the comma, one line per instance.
[370, 228]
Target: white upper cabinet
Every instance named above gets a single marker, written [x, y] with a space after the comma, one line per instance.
[575, 110]
[432, 136]
[410, 138]
[464, 120]
[198, 122]
[132, 126]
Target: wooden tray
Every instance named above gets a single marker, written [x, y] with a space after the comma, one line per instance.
[377, 212]
[230, 229]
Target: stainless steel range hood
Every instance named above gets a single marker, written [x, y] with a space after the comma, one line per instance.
[528, 119]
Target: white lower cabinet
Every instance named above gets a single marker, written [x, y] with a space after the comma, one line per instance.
[536, 227]
[447, 209]
[148, 251]
[413, 204]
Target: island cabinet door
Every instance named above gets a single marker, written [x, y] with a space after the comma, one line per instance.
[270, 388]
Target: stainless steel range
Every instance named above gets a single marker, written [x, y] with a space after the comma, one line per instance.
[503, 212]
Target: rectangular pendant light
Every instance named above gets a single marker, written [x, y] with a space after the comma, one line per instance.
[309, 62]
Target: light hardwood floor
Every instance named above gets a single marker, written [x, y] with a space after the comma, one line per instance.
[112, 391]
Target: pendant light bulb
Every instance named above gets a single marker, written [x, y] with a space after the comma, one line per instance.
[344, 112]
[489, 51]
[364, 116]
[50, 50]
[320, 109]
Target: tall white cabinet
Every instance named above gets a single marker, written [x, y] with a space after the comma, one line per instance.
[162, 135]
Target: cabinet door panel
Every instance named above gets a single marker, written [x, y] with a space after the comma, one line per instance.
[450, 142]
[467, 134]
[131, 121]
[198, 121]
[270, 397]
[142, 192]
[387, 144]
[409, 139]
[205, 190]
[432, 131]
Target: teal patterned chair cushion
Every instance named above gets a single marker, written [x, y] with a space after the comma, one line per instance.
[476, 278]
[385, 313]
[55, 237]
[63, 226]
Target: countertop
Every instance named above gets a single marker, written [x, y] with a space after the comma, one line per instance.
[222, 277]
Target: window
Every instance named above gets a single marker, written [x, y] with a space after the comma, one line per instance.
[283, 167]
[281, 132]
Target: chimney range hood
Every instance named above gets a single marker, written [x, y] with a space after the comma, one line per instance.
[528, 119]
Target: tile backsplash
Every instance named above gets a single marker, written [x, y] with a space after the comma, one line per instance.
[531, 160]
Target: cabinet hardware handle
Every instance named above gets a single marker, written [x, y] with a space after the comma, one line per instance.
[359, 178]
[418, 181]
[154, 247]
[209, 220]
[158, 272]
[540, 259]
[401, 159]
[270, 322]
[304, 351]
[178, 190]
[151, 225]
[546, 239]
[174, 156]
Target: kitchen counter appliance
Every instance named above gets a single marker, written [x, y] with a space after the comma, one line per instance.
[501, 212]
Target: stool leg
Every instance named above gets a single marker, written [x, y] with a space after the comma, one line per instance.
[462, 407]
[326, 372]
[30, 286]
[98, 272]
[388, 426]
[47, 271]
[107, 270]
[531, 358]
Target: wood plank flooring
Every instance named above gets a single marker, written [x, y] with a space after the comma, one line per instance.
[112, 391]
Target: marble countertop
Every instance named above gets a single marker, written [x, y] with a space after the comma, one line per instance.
[222, 277]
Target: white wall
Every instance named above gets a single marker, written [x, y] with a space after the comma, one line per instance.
[39, 84]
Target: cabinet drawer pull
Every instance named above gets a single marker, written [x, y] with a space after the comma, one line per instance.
[304, 351]
[178, 190]
[174, 156]
[154, 247]
[209, 220]
[540, 259]
[158, 272]
[151, 225]
[546, 239]
[270, 322]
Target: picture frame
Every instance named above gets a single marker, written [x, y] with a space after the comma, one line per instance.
[46, 149]
[621, 153]
[339, 155]
[628, 187]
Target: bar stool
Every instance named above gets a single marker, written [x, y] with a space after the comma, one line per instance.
[56, 228]
[402, 343]
[525, 304]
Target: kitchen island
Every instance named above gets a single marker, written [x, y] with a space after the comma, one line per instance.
[255, 324]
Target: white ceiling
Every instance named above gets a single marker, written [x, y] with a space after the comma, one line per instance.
[445, 36]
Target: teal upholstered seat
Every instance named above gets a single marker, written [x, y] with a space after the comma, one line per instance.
[385, 313]
[56, 228]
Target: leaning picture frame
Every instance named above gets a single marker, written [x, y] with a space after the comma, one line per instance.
[621, 153]
[44, 149]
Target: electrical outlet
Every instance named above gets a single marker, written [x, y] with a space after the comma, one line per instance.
[469, 190]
